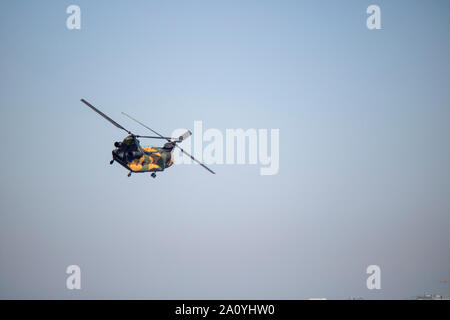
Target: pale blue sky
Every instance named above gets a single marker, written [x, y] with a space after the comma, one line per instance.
[364, 155]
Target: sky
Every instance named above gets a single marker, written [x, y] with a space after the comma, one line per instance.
[364, 175]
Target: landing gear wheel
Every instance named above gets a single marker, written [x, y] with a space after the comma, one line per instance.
[111, 162]
[129, 174]
[153, 175]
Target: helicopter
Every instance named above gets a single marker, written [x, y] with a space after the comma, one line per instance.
[135, 158]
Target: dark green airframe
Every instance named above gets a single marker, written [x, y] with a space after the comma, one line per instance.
[135, 158]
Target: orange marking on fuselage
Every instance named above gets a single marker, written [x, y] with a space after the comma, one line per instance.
[136, 164]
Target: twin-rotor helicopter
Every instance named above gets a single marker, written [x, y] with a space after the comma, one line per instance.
[135, 158]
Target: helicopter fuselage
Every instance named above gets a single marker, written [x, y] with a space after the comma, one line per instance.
[142, 159]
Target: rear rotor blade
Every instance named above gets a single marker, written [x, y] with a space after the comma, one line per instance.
[182, 150]
[166, 138]
[145, 126]
[187, 134]
[104, 115]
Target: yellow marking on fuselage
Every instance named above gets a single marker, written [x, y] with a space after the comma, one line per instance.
[152, 166]
[136, 164]
[153, 157]
[149, 149]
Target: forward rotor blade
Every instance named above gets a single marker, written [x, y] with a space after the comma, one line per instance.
[182, 150]
[104, 115]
